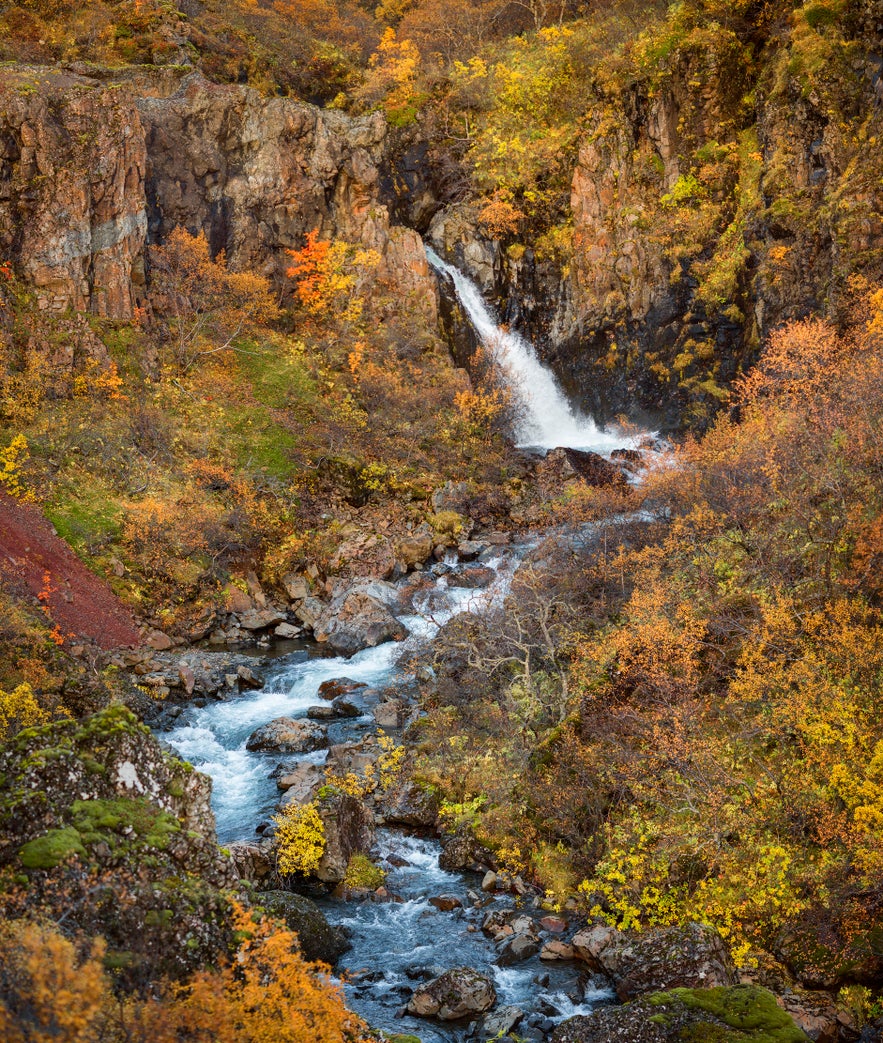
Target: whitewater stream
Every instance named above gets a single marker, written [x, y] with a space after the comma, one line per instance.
[398, 944]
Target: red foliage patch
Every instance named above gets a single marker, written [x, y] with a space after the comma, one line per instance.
[35, 560]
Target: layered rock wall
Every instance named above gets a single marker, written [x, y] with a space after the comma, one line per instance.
[92, 171]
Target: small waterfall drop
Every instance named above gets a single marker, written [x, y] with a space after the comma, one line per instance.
[546, 419]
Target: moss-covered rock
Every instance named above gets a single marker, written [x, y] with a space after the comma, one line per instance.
[734, 1014]
[318, 939]
[119, 835]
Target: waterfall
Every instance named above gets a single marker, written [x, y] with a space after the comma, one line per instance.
[545, 418]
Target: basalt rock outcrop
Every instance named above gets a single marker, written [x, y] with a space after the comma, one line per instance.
[92, 169]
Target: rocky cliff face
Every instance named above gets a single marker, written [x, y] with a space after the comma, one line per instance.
[91, 170]
[718, 191]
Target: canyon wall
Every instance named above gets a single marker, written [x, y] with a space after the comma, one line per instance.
[92, 170]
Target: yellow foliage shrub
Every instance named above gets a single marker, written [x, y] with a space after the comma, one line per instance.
[300, 838]
[19, 709]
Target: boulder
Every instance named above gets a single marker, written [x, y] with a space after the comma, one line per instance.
[670, 957]
[296, 587]
[458, 993]
[349, 830]
[518, 948]
[501, 1022]
[557, 950]
[391, 714]
[325, 712]
[301, 784]
[474, 578]
[248, 678]
[463, 852]
[261, 619]
[318, 939]
[287, 632]
[255, 861]
[469, 550]
[338, 686]
[564, 465]
[355, 620]
[737, 1014]
[343, 707]
[415, 548]
[309, 611]
[411, 805]
[286, 735]
[445, 903]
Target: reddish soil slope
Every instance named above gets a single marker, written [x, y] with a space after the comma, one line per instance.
[79, 602]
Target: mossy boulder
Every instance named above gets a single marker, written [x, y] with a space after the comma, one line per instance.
[119, 835]
[728, 1014]
[318, 939]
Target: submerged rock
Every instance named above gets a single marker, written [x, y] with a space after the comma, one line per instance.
[737, 1014]
[458, 993]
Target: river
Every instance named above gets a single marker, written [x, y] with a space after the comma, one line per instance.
[395, 944]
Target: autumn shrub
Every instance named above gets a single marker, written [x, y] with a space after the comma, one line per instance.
[51, 988]
[299, 838]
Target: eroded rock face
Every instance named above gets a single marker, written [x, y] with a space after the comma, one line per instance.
[355, 620]
[349, 830]
[102, 798]
[458, 993]
[693, 956]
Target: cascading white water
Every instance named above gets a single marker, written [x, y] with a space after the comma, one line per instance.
[546, 419]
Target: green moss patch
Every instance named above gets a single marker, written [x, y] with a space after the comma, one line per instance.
[747, 1014]
[53, 848]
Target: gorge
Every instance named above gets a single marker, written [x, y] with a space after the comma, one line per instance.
[440, 521]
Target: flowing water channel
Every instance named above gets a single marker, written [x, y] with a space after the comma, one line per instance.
[397, 944]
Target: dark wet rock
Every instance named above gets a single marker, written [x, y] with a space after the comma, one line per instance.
[690, 956]
[318, 939]
[411, 805]
[566, 465]
[287, 735]
[338, 686]
[737, 1014]
[463, 852]
[345, 707]
[518, 948]
[458, 993]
